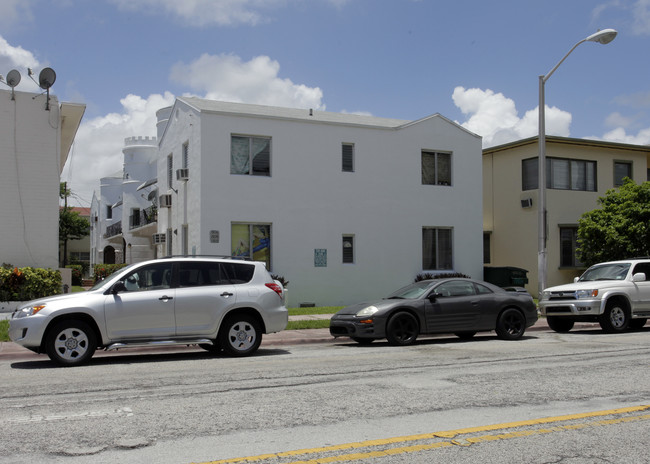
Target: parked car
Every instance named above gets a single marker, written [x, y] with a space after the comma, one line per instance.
[615, 294]
[218, 304]
[454, 305]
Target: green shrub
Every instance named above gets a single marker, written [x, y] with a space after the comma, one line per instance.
[101, 271]
[77, 273]
[444, 275]
[28, 283]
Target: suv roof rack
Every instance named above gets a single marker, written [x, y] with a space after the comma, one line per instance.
[239, 258]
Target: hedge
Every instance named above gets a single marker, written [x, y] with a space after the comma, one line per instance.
[101, 271]
[28, 283]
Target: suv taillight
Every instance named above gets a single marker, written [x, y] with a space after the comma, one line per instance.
[275, 287]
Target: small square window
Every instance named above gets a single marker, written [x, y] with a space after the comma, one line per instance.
[436, 168]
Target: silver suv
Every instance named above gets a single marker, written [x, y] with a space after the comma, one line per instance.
[216, 303]
[615, 294]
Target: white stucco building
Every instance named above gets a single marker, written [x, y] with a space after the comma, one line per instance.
[123, 212]
[345, 207]
[35, 139]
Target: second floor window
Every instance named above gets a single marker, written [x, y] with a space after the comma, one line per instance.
[436, 168]
[561, 173]
[622, 169]
[347, 157]
[250, 155]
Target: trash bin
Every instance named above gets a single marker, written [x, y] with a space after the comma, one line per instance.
[505, 276]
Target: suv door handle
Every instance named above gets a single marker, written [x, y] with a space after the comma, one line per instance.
[165, 298]
[226, 294]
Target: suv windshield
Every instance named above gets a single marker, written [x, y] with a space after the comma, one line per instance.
[614, 271]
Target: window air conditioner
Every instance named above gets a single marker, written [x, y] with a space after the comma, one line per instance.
[158, 238]
[182, 174]
[526, 202]
[166, 200]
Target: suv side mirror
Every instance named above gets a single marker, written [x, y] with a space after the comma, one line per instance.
[118, 287]
[639, 277]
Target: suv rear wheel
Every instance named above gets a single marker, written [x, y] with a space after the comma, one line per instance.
[240, 335]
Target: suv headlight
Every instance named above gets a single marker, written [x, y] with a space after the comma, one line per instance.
[369, 311]
[583, 294]
[546, 295]
[27, 311]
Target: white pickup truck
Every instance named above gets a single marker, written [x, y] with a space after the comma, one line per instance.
[614, 294]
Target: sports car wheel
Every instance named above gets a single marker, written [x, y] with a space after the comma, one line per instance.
[402, 329]
[70, 343]
[511, 324]
[240, 335]
[559, 324]
[615, 318]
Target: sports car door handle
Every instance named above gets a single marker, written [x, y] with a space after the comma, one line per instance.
[226, 294]
[474, 303]
[165, 298]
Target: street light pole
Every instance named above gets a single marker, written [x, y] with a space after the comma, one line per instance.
[604, 37]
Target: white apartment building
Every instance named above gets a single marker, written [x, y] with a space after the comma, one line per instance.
[123, 212]
[345, 207]
[36, 134]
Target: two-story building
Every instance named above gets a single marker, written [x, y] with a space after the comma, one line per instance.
[578, 172]
[345, 207]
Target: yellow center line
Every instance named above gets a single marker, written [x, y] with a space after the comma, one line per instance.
[448, 434]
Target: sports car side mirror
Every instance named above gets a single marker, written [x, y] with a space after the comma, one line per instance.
[434, 296]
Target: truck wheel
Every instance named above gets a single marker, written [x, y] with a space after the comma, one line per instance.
[615, 318]
[559, 324]
[70, 343]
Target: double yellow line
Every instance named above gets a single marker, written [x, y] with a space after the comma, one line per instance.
[453, 435]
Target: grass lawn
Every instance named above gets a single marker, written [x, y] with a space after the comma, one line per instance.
[4, 331]
[317, 310]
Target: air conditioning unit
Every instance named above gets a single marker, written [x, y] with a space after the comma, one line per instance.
[527, 203]
[166, 200]
[182, 174]
[158, 238]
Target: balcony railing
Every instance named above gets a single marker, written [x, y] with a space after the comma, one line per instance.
[113, 230]
[142, 217]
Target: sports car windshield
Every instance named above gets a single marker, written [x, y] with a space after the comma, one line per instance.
[415, 290]
[616, 271]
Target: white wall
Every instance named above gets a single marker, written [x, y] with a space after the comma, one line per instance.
[310, 203]
[29, 180]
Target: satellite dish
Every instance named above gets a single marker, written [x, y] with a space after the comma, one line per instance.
[46, 78]
[13, 78]
[152, 195]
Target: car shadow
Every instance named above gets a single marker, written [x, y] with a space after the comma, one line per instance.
[437, 340]
[103, 358]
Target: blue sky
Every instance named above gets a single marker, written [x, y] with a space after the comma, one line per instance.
[474, 62]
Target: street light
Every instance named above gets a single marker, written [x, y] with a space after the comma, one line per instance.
[604, 37]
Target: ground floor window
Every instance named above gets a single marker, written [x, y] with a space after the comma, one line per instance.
[568, 246]
[348, 249]
[437, 248]
[252, 241]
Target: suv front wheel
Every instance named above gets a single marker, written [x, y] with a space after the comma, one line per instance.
[615, 318]
[70, 343]
[240, 335]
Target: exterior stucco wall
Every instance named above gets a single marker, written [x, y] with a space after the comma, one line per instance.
[310, 203]
[30, 161]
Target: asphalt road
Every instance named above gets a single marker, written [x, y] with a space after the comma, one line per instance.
[581, 397]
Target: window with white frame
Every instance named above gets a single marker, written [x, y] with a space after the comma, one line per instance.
[170, 170]
[348, 249]
[568, 246]
[436, 168]
[437, 248]
[185, 155]
[250, 155]
[168, 242]
[561, 174]
[622, 169]
[251, 241]
[347, 157]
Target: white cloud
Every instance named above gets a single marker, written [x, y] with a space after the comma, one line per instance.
[641, 15]
[228, 78]
[15, 12]
[20, 59]
[620, 135]
[494, 117]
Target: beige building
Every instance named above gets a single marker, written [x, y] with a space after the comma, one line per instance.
[579, 171]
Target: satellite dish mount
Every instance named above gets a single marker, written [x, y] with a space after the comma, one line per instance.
[46, 80]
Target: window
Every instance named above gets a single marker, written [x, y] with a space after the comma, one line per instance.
[202, 273]
[436, 248]
[568, 246]
[185, 155]
[109, 211]
[622, 169]
[561, 173]
[348, 249]
[250, 155]
[436, 168]
[152, 277]
[168, 242]
[347, 157]
[79, 256]
[170, 170]
[486, 248]
[252, 241]
[456, 288]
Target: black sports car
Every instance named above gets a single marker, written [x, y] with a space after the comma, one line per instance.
[455, 305]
